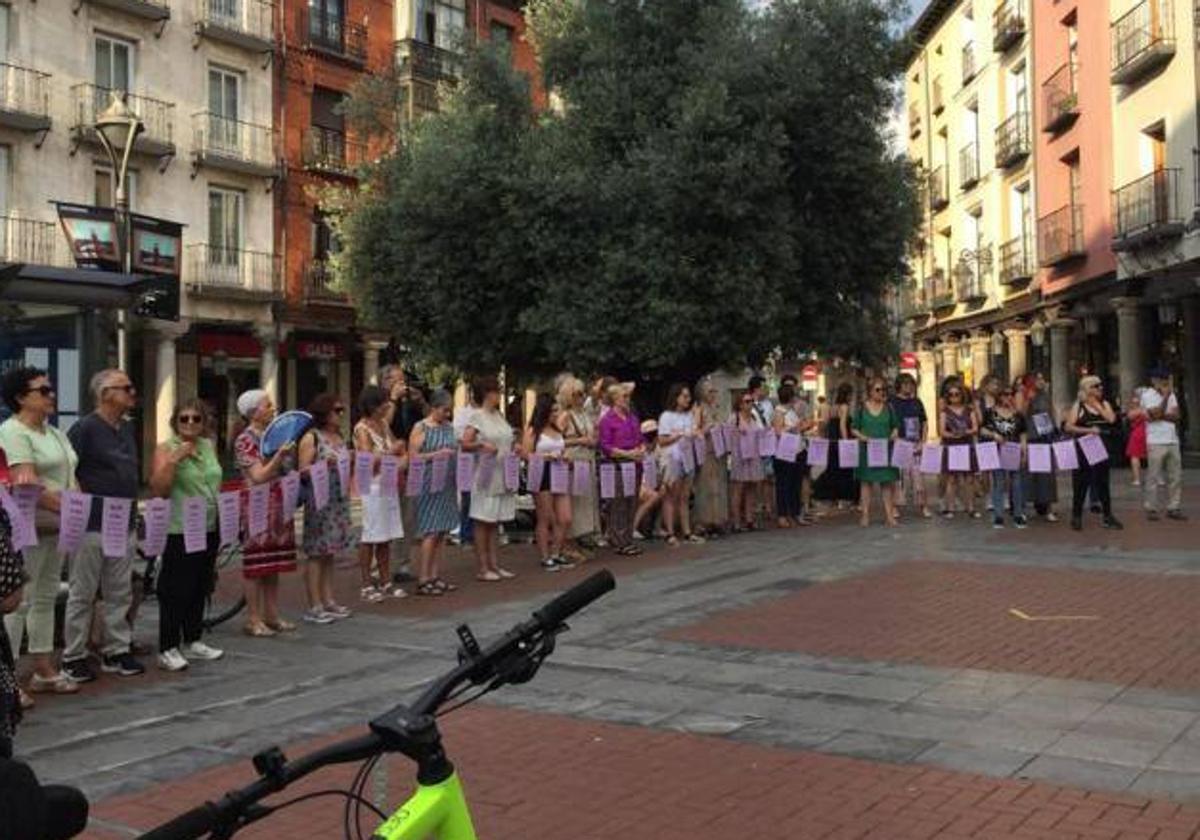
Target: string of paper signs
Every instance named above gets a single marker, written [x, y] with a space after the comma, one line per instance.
[566, 476]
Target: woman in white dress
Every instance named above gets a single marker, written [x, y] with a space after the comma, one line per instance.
[381, 510]
[676, 430]
[490, 436]
[579, 430]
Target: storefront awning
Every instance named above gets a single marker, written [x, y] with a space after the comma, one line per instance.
[72, 286]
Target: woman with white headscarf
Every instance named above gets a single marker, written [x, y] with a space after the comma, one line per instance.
[273, 552]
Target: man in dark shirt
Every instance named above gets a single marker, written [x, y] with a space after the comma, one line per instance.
[914, 427]
[108, 466]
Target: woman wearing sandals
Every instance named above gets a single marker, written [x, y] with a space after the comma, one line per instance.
[544, 439]
[746, 473]
[273, 552]
[327, 532]
[489, 434]
[676, 429]
[437, 511]
[875, 420]
[382, 521]
[621, 441]
[958, 428]
[711, 513]
[579, 431]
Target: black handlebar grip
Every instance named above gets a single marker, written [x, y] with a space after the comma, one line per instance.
[191, 825]
[574, 599]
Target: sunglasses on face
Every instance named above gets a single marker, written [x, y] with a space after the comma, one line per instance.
[44, 390]
[877, 390]
[190, 418]
[955, 394]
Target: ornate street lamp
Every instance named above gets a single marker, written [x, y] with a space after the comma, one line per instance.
[118, 129]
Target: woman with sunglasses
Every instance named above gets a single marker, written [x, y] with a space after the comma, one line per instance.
[746, 473]
[958, 428]
[38, 453]
[1004, 424]
[712, 477]
[1091, 415]
[875, 420]
[1041, 488]
[186, 466]
[326, 531]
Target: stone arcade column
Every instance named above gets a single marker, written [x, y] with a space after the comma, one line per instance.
[268, 337]
[949, 351]
[1018, 363]
[981, 362]
[1062, 383]
[372, 347]
[1131, 366]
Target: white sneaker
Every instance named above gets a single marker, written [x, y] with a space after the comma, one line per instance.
[199, 650]
[317, 616]
[172, 660]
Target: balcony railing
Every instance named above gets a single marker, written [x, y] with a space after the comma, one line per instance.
[157, 116]
[940, 290]
[968, 165]
[936, 97]
[1060, 99]
[233, 144]
[332, 34]
[1060, 236]
[1016, 261]
[969, 283]
[249, 24]
[1008, 24]
[24, 98]
[914, 120]
[1147, 210]
[221, 270]
[939, 189]
[320, 284]
[28, 241]
[425, 62]
[1143, 39]
[158, 10]
[1012, 140]
[969, 67]
[329, 150]
[914, 303]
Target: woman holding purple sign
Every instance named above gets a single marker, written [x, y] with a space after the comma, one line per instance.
[875, 424]
[958, 429]
[544, 441]
[837, 483]
[437, 510]
[490, 435]
[327, 531]
[676, 447]
[382, 521]
[786, 420]
[746, 474]
[1040, 428]
[186, 467]
[1091, 415]
[1005, 425]
[711, 513]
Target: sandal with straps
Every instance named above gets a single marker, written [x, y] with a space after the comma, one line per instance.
[429, 588]
[445, 585]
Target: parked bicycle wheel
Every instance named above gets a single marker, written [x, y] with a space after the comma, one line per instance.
[229, 557]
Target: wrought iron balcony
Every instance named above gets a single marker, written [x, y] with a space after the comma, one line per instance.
[1008, 24]
[939, 189]
[1060, 236]
[28, 241]
[233, 145]
[1016, 261]
[914, 303]
[969, 285]
[333, 35]
[1143, 40]
[1061, 100]
[218, 271]
[936, 98]
[157, 116]
[24, 98]
[968, 165]
[1012, 140]
[249, 24]
[939, 290]
[425, 62]
[155, 10]
[330, 151]
[321, 285]
[969, 67]
[914, 120]
[1147, 210]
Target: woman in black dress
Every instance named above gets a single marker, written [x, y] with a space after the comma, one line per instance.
[837, 484]
[1091, 415]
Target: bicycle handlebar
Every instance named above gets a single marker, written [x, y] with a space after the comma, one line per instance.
[200, 821]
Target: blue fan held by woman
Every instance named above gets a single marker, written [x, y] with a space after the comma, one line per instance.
[287, 428]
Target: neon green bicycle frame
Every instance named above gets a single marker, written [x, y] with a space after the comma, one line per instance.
[438, 811]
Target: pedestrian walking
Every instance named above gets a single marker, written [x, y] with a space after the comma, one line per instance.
[327, 530]
[1091, 414]
[382, 523]
[1136, 448]
[1164, 461]
[437, 510]
[621, 442]
[1003, 424]
[186, 466]
[492, 503]
[873, 421]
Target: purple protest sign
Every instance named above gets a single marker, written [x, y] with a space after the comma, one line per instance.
[1065, 455]
[902, 454]
[581, 478]
[931, 459]
[818, 452]
[789, 447]
[608, 481]
[256, 510]
[195, 524]
[415, 483]
[1039, 458]
[987, 453]
[75, 507]
[959, 459]
[512, 473]
[536, 473]
[747, 445]
[650, 472]
[229, 513]
[464, 474]
[767, 443]
[877, 452]
[439, 471]
[848, 453]
[114, 526]
[364, 464]
[21, 505]
[700, 448]
[560, 478]
[389, 475]
[1093, 448]
[718, 441]
[1010, 457]
[685, 456]
[487, 471]
[343, 471]
[157, 516]
[629, 479]
[289, 496]
[318, 477]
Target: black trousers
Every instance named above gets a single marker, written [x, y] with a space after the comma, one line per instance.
[183, 584]
[787, 488]
[1093, 478]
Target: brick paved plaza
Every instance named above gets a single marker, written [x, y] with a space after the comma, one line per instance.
[825, 682]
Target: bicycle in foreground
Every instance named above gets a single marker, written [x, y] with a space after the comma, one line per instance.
[439, 807]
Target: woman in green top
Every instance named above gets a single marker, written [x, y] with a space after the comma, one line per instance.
[875, 420]
[186, 466]
[38, 453]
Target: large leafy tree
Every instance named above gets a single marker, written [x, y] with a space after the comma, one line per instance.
[717, 183]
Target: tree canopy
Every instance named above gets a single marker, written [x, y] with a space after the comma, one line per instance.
[717, 183]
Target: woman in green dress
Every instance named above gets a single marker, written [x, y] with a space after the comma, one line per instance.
[875, 420]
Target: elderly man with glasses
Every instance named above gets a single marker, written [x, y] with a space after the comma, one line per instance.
[108, 466]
